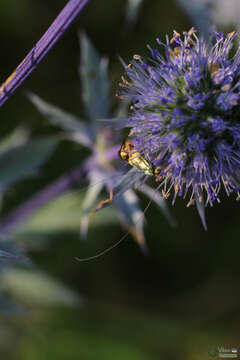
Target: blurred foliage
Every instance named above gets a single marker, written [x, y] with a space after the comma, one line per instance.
[63, 214]
[35, 288]
[103, 167]
[132, 11]
[176, 303]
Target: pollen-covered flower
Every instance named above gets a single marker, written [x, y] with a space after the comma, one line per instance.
[185, 117]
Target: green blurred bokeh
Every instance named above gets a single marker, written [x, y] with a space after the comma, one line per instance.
[178, 302]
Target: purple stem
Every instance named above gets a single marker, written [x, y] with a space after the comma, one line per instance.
[61, 185]
[42, 47]
[51, 191]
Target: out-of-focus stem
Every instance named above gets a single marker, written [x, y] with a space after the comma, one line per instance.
[42, 47]
[23, 211]
[58, 187]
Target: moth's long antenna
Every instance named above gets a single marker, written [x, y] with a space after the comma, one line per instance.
[117, 243]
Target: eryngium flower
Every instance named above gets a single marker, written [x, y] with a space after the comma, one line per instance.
[185, 116]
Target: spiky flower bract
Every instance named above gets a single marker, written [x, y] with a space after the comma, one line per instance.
[185, 115]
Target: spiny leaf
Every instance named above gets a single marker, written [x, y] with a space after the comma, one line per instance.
[17, 137]
[128, 180]
[132, 216]
[94, 79]
[133, 7]
[23, 161]
[7, 255]
[68, 122]
[157, 198]
[201, 211]
[92, 193]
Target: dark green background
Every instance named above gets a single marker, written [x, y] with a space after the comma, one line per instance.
[177, 303]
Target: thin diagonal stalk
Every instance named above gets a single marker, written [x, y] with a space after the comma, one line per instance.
[58, 187]
[42, 47]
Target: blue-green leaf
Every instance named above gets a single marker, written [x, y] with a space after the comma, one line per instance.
[127, 181]
[63, 215]
[132, 216]
[34, 287]
[201, 211]
[17, 137]
[133, 7]
[94, 189]
[94, 80]
[22, 161]
[68, 122]
[7, 255]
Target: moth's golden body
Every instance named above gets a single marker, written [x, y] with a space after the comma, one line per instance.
[134, 158]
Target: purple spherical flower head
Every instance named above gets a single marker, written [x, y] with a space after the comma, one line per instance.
[186, 114]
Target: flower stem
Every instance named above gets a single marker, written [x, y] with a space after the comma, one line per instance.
[61, 185]
[42, 47]
[23, 211]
